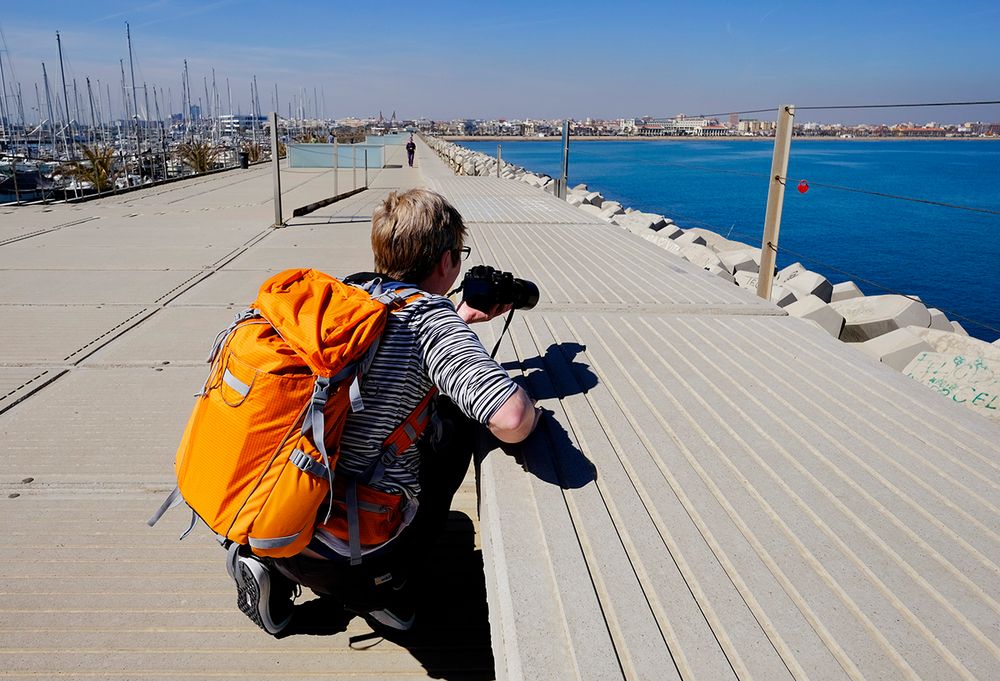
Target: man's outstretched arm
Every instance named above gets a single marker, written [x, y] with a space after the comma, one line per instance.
[516, 418]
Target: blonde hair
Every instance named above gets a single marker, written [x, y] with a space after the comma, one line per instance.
[411, 230]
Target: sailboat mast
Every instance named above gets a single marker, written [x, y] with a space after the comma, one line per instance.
[131, 68]
[48, 102]
[93, 119]
[62, 73]
[4, 114]
[163, 143]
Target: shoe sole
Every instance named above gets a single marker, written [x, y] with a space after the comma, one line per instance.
[391, 621]
[248, 596]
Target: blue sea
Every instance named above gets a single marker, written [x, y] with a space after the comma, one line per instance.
[948, 257]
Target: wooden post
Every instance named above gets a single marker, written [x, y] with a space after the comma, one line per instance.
[275, 162]
[775, 199]
[499, 160]
[561, 189]
[336, 167]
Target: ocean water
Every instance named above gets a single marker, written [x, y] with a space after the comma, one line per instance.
[950, 258]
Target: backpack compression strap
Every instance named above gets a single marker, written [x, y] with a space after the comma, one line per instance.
[401, 439]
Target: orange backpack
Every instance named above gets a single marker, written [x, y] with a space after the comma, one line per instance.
[258, 455]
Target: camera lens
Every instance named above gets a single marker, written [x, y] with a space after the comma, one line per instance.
[525, 294]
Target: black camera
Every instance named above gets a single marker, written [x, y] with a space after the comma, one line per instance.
[485, 287]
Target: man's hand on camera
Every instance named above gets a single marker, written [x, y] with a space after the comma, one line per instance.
[471, 315]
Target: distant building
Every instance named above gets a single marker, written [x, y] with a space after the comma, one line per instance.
[233, 123]
[911, 131]
[712, 131]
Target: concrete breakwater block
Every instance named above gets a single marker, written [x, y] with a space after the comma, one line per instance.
[973, 382]
[639, 222]
[593, 198]
[814, 308]
[574, 199]
[593, 210]
[666, 244]
[781, 296]
[610, 209]
[790, 272]
[721, 272]
[938, 320]
[746, 260]
[722, 245]
[845, 290]
[896, 348]
[806, 283]
[951, 343]
[668, 231]
[702, 256]
[747, 280]
[689, 237]
[708, 237]
[959, 329]
[872, 316]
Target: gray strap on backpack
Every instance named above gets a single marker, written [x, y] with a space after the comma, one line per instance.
[353, 521]
[314, 424]
[173, 499]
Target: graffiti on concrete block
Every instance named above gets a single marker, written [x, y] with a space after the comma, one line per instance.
[971, 381]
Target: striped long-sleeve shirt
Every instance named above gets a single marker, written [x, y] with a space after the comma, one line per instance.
[424, 344]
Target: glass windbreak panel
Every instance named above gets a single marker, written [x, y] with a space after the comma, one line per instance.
[322, 155]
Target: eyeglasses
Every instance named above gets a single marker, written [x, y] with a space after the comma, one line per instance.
[465, 251]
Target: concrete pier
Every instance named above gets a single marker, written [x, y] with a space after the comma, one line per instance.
[718, 490]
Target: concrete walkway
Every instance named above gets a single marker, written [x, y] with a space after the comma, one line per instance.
[721, 492]
[718, 491]
[110, 308]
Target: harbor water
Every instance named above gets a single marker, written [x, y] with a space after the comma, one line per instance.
[947, 256]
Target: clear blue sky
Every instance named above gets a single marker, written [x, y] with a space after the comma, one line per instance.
[518, 59]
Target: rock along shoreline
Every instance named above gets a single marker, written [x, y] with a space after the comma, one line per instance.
[896, 330]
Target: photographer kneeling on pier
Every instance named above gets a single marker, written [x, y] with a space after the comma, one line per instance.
[426, 348]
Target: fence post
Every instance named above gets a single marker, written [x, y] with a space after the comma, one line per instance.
[775, 200]
[366, 168]
[354, 166]
[499, 160]
[336, 168]
[565, 161]
[275, 170]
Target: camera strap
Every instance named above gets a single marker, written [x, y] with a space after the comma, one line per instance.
[506, 325]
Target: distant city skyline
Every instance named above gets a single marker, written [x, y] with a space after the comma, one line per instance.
[446, 60]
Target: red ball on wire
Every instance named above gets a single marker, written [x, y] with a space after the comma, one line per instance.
[803, 187]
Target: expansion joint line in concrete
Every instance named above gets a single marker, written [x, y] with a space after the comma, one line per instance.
[47, 230]
[5, 407]
[127, 325]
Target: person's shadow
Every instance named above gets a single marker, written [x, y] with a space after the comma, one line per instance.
[550, 453]
[451, 636]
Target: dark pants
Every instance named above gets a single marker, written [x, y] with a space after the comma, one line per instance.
[444, 461]
[409, 157]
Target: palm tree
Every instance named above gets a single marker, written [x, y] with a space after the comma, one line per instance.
[199, 155]
[97, 168]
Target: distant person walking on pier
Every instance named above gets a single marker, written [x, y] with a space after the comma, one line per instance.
[411, 149]
[426, 349]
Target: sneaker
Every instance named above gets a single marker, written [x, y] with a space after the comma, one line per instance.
[399, 613]
[265, 598]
